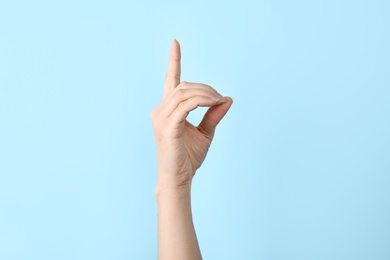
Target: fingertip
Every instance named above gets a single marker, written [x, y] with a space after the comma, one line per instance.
[228, 100]
[214, 115]
[175, 43]
[226, 104]
[175, 51]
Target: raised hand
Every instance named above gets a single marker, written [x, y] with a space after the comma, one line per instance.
[182, 147]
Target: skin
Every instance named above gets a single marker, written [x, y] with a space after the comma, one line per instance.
[181, 149]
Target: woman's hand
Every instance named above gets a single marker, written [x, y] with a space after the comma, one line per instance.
[182, 147]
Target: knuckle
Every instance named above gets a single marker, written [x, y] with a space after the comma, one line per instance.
[178, 95]
[184, 84]
[183, 107]
[179, 91]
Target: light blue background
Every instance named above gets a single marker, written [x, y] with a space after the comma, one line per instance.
[299, 169]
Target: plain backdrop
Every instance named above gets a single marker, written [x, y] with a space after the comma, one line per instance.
[299, 168]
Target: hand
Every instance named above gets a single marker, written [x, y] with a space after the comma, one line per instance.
[182, 147]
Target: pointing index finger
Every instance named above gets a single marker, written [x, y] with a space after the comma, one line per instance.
[173, 73]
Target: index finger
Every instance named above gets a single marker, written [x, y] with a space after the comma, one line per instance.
[172, 79]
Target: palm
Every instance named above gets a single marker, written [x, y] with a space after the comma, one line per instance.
[195, 145]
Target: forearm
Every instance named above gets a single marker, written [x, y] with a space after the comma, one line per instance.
[176, 233]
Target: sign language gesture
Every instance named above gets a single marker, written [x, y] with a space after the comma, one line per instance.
[182, 147]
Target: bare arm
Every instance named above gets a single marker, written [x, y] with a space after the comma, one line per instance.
[181, 149]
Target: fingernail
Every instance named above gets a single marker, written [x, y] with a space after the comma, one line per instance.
[221, 99]
[220, 96]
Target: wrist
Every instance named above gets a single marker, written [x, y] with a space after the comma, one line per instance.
[168, 191]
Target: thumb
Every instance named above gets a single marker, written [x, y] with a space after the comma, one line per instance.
[213, 116]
